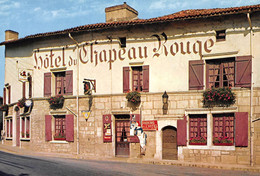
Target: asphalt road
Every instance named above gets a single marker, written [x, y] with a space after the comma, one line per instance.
[17, 165]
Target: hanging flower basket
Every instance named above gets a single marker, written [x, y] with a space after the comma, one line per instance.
[198, 141]
[224, 141]
[21, 102]
[56, 102]
[133, 97]
[60, 137]
[220, 97]
[4, 108]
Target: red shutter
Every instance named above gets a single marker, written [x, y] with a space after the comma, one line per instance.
[4, 94]
[241, 129]
[135, 139]
[243, 71]
[30, 86]
[24, 87]
[126, 74]
[48, 136]
[69, 128]
[146, 78]
[196, 71]
[9, 94]
[69, 82]
[47, 84]
[182, 132]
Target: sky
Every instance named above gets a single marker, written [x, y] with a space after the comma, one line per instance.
[28, 17]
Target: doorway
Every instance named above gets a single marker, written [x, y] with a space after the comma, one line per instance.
[122, 125]
[169, 143]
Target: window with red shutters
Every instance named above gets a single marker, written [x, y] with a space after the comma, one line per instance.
[48, 130]
[241, 129]
[47, 84]
[69, 128]
[9, 128]
[60, 83]
[140, 78]
[198, 129]
[244, 71]
[223, 129]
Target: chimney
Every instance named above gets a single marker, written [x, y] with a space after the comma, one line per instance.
[11, 35]
[120, 13]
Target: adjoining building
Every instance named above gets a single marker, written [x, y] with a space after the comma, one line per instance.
[192, 81]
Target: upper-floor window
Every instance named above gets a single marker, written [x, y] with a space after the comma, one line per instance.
[221, 73]
[220, 35]
[139, 80]
[228, 72]
[63, 83]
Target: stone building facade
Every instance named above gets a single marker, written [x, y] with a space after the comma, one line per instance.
[171, 61]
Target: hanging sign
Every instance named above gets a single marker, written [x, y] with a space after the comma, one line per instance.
[86, 114]
[107, 128]
[24, 74]
[150, 125]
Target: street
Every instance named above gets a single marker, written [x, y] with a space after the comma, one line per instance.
[17, 165]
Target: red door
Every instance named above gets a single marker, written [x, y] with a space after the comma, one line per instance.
[122, 137]
[18, 128]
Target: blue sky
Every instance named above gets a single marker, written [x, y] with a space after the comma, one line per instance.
[38, 16]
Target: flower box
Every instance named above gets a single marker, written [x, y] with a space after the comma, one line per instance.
[220, 97]
[56, 102]
[133, 97]
[21, 102]
[223, 144]
[4, 108]
[193, 143]
[60, 138]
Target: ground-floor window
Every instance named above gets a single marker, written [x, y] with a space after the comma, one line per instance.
[60, 127]
[9, 128]
[223, 129]
[25, 127]
[198, 129]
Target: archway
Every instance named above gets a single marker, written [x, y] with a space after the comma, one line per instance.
[169, 143]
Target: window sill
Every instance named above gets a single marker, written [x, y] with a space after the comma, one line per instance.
[211, 147]
[59, 142]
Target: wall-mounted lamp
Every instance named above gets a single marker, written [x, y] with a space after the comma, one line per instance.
[165, 103]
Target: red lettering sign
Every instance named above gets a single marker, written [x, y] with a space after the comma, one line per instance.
[150, 125]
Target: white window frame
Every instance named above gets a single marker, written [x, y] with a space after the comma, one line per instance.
[25, 127]
[10, 119]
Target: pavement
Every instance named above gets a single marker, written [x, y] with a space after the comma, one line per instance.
[25, 152]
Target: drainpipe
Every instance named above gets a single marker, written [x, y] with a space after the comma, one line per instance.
[77, 57]
[251, 96]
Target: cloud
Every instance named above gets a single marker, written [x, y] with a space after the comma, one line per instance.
[6, 6]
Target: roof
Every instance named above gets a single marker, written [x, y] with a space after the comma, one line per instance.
[182, 15]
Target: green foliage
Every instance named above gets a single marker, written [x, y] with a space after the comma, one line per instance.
[133, 97]
[221, 97]
[56, 101]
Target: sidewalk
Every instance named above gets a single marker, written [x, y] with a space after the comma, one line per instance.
[20, 151]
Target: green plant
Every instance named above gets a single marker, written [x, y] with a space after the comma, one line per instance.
[222, 97]
[4, 107]
[198, 140]
[223, 140]
[56, 101]
[60, 136]
[133, 97]
[21, 102]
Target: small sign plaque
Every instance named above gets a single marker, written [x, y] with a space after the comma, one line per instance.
[150, 125]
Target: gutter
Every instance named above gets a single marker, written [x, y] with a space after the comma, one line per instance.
[251, 94]
[77, 115]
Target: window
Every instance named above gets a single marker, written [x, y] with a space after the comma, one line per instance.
[139, 80]
[59, 127]
[25, 127]
[229, 72]
[122, 42]
[198, 129]
[7, 94]
[63, 83]
[9, 128]
[223, 129]
[60, 83]
[220, 35]
[226, 129]
[221, 73]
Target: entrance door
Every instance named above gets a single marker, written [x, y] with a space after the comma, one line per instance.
[169, 143]
[122, 137]
[18, 128]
